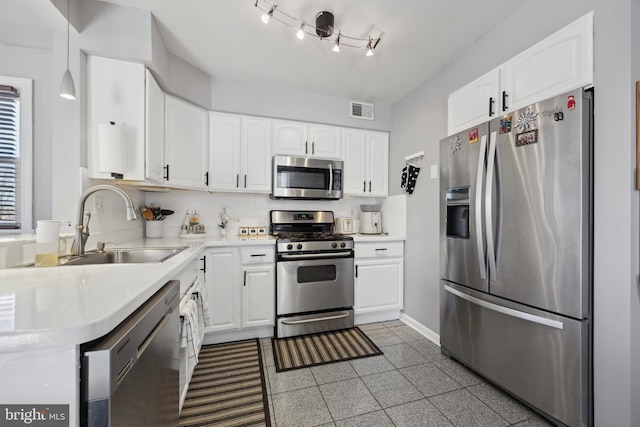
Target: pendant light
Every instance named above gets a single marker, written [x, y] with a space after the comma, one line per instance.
[67, 88]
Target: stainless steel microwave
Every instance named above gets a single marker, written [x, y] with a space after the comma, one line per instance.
[306, 178]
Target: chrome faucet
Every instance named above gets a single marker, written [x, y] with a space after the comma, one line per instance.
[82, 229]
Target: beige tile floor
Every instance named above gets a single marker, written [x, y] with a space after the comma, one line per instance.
[412, 384]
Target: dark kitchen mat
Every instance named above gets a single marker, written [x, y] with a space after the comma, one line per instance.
[227, 387]
[319, 349]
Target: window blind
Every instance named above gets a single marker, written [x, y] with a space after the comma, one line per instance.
[9, 157]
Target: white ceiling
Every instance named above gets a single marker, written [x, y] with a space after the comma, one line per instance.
[227, 39]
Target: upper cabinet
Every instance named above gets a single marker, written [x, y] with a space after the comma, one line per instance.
[240, 153]
[306, 140]
[559, 63]
[116, 93]
[186, 144]
[366, 163]
[154, 130]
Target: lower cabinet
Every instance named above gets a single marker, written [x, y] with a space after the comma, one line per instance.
[378, 280]
[240, 287]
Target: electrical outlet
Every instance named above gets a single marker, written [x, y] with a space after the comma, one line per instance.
[99, 204]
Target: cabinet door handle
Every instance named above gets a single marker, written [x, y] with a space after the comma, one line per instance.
[245, 279]
[166, 168]
[504, 100]
[356, 271]
[237, 180]
[369, 186]
[206, 178]
[364, 186]
[491, 102]
[306, 147]
[204, 264]
[258, 254]
[381, 249]
[313, 148]
[245, 180]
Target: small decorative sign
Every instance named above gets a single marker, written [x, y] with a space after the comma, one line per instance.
[526, 138]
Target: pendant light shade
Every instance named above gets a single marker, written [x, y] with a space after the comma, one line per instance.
[67, 88]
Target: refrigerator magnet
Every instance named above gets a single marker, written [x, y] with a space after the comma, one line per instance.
[505, 124]
[526, 138]
[473, 135]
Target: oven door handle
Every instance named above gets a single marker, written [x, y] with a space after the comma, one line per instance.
[316, 319]
[327, 255]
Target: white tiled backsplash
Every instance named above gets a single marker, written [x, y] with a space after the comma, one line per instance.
[252, 210]
[108, 221]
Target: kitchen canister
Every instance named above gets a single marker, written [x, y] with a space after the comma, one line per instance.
[47, 240]
[154, 229]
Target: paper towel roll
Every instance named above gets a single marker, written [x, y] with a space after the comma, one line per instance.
[111, 148]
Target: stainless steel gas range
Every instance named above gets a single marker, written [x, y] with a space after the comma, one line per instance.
[314, 273]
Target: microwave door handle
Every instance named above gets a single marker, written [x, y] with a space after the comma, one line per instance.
[478, 208]
[330, 178]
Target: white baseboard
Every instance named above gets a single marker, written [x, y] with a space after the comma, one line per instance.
[363, 318]
[237, 335]
[419, 327]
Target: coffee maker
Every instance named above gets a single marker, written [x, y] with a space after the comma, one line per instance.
[370, 219]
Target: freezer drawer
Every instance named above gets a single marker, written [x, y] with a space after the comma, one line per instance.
[541, 358]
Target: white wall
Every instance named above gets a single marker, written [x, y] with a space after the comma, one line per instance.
[419, 122]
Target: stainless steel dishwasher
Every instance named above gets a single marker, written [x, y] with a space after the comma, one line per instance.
[130, 376]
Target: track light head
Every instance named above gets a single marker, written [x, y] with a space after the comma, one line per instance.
[267, 16]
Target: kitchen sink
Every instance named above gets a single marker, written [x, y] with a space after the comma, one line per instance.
[123, 256]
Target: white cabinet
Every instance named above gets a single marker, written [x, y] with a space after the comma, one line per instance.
[378, 279]
[116, 93]
[186, 144]
[222, 275]
[308, 140]
[258, 287]
[241, 287]
[559, 63]
[154, 130]
[474, 103]
[239, 153]
[366, 163]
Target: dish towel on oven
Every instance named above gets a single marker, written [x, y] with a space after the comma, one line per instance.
[203, 303]
[190, 336]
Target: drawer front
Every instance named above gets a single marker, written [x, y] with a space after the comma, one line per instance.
[258, 255]
[379, 249]
[187, 276]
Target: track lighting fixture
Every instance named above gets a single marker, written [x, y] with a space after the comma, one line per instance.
[336, 45]
[266, 17]
[67, 88]
[324, 28]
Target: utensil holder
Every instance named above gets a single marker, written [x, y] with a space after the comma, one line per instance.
[154, 229]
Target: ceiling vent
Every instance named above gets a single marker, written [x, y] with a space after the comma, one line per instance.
[361, 110]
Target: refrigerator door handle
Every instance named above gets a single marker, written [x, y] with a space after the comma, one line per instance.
[505, 310]
[478, 208]
[491, 253]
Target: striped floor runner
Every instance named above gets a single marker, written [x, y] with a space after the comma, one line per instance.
[318, 349]
[227, 387]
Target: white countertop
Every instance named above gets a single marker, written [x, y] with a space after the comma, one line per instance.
[69, 305]
[44, 307]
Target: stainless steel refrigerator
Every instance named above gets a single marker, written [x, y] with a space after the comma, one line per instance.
[516, 253]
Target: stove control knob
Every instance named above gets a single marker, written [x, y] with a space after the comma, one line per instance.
[343, 244]
[334, 245]
[299, 246]
[289, 246]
